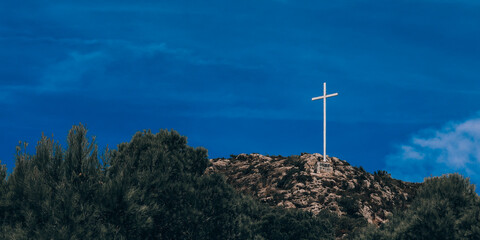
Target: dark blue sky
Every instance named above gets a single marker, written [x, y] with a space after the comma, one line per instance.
[238, 76]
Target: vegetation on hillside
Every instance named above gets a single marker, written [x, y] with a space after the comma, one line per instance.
[445, 207]
[295, 182]
[150, 188]
[154, 187]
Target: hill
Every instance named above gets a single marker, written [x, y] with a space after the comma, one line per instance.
[300, 182]
[158, 187]
[152, 187]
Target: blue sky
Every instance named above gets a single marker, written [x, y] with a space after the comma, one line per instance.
[238, 76]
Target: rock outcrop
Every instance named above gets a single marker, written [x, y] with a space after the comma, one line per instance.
[305, 182]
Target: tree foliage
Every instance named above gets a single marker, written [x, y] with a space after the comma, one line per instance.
[445, 207]
[152, 187]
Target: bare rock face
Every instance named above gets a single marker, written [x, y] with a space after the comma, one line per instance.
[307, 183]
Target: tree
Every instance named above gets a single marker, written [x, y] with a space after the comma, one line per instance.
[152, 187]
[52, 194]
[445, 207]
[296, 224]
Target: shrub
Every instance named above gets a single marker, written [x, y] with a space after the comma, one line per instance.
[445, 207]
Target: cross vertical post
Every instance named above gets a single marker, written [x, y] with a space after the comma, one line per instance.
[324, 97]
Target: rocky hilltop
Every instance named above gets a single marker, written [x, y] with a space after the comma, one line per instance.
[307, 183]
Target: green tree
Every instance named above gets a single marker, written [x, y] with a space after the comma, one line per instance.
[445, 207]
[156, 184]
[53, 194]
[296, 224]
[78, 191]
[152, 187]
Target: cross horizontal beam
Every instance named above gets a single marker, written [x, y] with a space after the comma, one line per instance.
[322, 97]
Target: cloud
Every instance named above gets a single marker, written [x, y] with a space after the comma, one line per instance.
[155, 72]
[119, 45]
[453, 148]
[77, 62]
[67, 75]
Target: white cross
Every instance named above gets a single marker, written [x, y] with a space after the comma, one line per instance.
[324, 97]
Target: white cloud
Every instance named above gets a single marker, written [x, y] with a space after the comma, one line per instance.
[453, 148]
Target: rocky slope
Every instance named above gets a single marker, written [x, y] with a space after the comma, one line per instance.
[305, 182]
